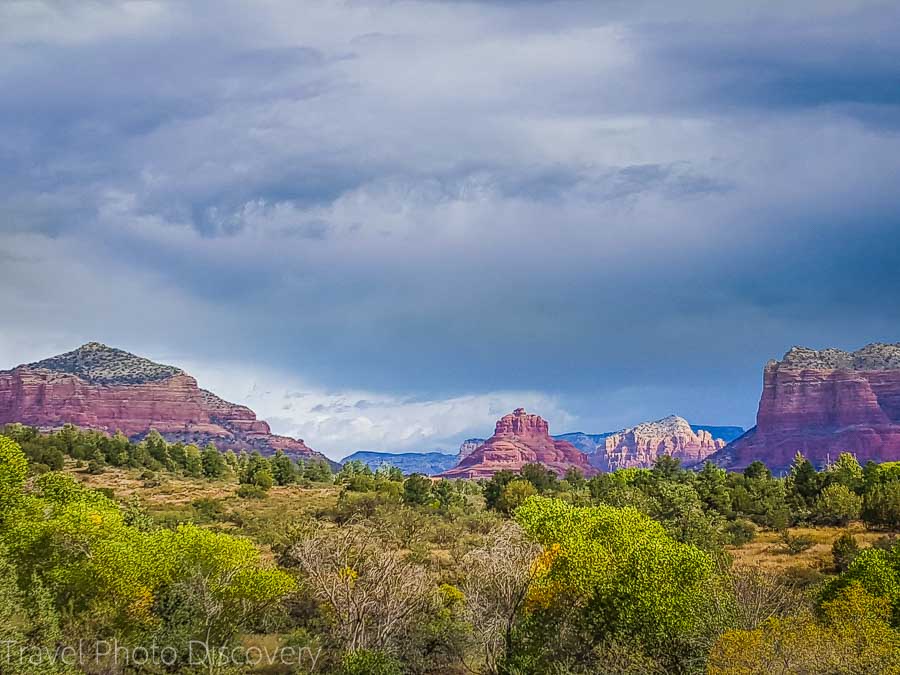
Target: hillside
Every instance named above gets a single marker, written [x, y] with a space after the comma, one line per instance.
[108, 389]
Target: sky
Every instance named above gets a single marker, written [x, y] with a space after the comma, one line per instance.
[384, 224]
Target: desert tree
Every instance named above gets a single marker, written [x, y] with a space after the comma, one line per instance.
[371, 590]
[500, 575]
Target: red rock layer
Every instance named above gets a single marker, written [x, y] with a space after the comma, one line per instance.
[520, 439]
[850, 405]
[642, 445]
[175, 406]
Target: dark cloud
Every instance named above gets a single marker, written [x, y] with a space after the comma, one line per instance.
[628, 206]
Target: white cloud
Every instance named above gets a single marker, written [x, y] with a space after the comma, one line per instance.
[339, 423]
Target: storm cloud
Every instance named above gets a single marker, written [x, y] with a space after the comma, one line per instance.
[615, 211]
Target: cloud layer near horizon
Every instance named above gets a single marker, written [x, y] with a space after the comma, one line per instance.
[613, 210]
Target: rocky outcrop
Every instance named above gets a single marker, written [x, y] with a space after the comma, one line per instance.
[469, 446]
[823, 403]
[727, 433]
[103, 388]
[519, 439]
[642, 445]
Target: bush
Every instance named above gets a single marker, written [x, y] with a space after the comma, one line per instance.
[514, 494]
[263, 480]
[370, 662]
[13, 470]
[248, 491]
[740, 532]
[95, 468]
[360, 483]
[417, 490]
[875, 570]
[837, 505]
[844, 550]
[886, 543]
[38, 468]
[881, 505]
[609, 567]
[795, 544]
[209, 510]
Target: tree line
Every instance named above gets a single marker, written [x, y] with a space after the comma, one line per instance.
[630, 572]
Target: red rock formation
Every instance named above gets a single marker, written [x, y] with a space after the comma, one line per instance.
[520, 439]
[642, 445]
[102, 388]
[822, 404]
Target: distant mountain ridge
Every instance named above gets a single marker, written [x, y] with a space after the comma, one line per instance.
[428, 463]
[587, 443]
[109, 389]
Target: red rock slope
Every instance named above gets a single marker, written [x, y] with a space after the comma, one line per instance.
[822, 403]
[520, 439]
[642, 445]
[99, 387]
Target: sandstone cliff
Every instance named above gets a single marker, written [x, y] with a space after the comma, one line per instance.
[822, 403]
[469, 446]
[642, 445]
[519, 439]
[100, 387]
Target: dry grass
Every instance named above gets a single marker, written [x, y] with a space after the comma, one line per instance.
[172, 500]
[766, 552]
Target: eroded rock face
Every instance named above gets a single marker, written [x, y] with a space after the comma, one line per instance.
[469, 446]
[823, 403]
[519, 439]
[99, 387]
[642, 445]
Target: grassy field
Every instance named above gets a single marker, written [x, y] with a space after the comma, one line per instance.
[173, 499]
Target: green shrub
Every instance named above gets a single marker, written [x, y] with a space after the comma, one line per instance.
[249, 491]
[843, 551]
[370, 662]
[875, 570]
[881, 505]
[795, 544]
[886, 542]
[95, 468]
[209, 510]
[837, 505]
[514, 494]
[739, 532]
[417, 490]
[360, 483]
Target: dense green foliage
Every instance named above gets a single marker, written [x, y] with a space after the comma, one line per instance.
[70, 553]
[608, 574]
[48, 452]
[375, 572]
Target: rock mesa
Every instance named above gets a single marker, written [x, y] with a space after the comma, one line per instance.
[823, 403]
[108, 389]
[519, 439]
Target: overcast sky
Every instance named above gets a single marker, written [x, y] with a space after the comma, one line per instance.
[385, 224]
